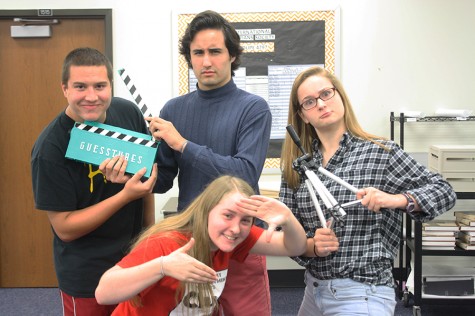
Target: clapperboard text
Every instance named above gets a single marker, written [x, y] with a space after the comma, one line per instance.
[109, 152]
[94, 142]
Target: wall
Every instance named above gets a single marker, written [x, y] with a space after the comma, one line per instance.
[395, 55]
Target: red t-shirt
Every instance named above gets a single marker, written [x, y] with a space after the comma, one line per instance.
[159, 299]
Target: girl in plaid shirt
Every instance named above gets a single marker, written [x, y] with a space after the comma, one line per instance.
[349, 267]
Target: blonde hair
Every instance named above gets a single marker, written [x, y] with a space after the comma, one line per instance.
[193, 222]
[307, 132]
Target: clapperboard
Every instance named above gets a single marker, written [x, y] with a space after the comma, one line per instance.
[134, 92]
[94, 142]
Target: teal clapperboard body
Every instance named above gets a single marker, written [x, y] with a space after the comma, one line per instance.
[93, 142]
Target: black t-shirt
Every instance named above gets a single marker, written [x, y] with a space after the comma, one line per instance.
[61, 184]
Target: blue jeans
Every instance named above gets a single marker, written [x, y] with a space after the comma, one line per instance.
[345, 297]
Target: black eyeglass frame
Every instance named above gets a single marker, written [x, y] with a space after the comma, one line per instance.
[319, 97]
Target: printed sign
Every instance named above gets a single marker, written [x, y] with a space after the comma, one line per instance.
[93, 142]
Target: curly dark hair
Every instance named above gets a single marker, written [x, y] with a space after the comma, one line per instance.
[212, 20]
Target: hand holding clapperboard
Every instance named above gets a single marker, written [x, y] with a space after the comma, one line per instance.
[94, 142]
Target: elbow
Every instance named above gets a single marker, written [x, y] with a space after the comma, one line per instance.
[65, 237]
[101, 297]
[62, 226]
[108, 291]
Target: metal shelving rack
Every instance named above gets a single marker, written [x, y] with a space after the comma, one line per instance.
[414, 245]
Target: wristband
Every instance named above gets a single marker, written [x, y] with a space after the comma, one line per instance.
[183, 146]
[410, 203]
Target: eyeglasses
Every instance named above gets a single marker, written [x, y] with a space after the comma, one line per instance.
[325, 95]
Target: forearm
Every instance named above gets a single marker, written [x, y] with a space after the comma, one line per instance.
[120, 284]
[432, 194]
[246, 165]
[245, 153]
[295, 240]
[149, 210]
[310, 248]
[167, 170]
[75, 224]
[433, 200]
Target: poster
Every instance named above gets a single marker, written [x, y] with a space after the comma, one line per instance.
[277, 46]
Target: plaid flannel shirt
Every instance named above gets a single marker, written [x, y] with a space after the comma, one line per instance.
[368, 241]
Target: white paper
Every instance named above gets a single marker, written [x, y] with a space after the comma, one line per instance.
[453, 113]
[418, 114]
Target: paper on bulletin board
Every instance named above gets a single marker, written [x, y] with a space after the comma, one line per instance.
[277, 46]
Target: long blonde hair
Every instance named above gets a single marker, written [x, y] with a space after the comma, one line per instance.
[307, 132]
[193, 222]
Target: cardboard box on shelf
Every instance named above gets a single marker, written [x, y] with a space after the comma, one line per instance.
[456, 163]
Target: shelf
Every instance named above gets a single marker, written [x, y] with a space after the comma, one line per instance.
[409, 249]
[442, 300]
[451, 253]
[432, 119]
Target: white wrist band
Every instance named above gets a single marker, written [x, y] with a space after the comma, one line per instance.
[183, 146]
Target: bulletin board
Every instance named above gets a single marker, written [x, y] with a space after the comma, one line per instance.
[277, 46]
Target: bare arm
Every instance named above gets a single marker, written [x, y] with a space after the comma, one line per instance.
[290, 241]
[164, 130]
[375, 200]
[322, 244]
[149, 210]
[75, 224]
[120, 284]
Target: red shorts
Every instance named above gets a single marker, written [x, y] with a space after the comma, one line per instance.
[78, 306]
[247, 288]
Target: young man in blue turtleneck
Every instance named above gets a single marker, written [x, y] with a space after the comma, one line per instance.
[217, 129]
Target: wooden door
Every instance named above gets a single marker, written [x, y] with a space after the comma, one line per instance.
[30, 97]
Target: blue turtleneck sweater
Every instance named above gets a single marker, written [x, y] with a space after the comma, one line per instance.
[228, 132]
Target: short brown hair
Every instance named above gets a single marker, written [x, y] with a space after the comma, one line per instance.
[85, 56]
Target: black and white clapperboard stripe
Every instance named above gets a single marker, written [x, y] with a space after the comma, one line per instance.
[133, 90]
[117, 135]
